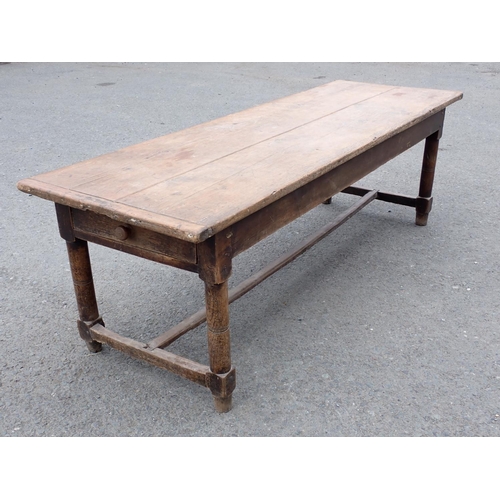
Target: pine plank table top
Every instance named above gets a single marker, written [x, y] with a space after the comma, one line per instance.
[196, 198]
[193, 183]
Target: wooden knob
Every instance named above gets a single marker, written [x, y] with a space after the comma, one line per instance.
[122, 232]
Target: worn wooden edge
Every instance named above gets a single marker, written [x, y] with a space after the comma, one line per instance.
[120, 212]
[245, 286]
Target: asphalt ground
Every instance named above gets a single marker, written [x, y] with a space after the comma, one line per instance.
[382, 329]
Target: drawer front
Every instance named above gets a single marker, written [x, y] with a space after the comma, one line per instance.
[105, 231]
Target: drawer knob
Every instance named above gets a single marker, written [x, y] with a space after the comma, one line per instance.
[122, 232]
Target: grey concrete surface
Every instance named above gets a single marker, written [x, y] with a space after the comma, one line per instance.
[382, 329]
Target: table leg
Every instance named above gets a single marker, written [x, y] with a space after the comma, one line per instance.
[83, 282]
[219, 344]
[424, 199]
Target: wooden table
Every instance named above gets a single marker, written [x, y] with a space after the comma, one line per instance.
[196, 198]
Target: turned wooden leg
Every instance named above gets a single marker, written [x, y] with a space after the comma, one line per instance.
[424, 199]
[219, 345]
[81, 271]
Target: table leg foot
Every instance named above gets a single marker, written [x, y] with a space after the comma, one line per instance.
[94, 347]
[421, 219]
[223, 405]
[84, 330]
[328, 201]
[423, 208]
[222, 386]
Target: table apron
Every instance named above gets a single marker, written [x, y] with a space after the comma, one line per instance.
[105, 231]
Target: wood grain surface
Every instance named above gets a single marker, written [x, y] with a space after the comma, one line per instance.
[193, 183]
